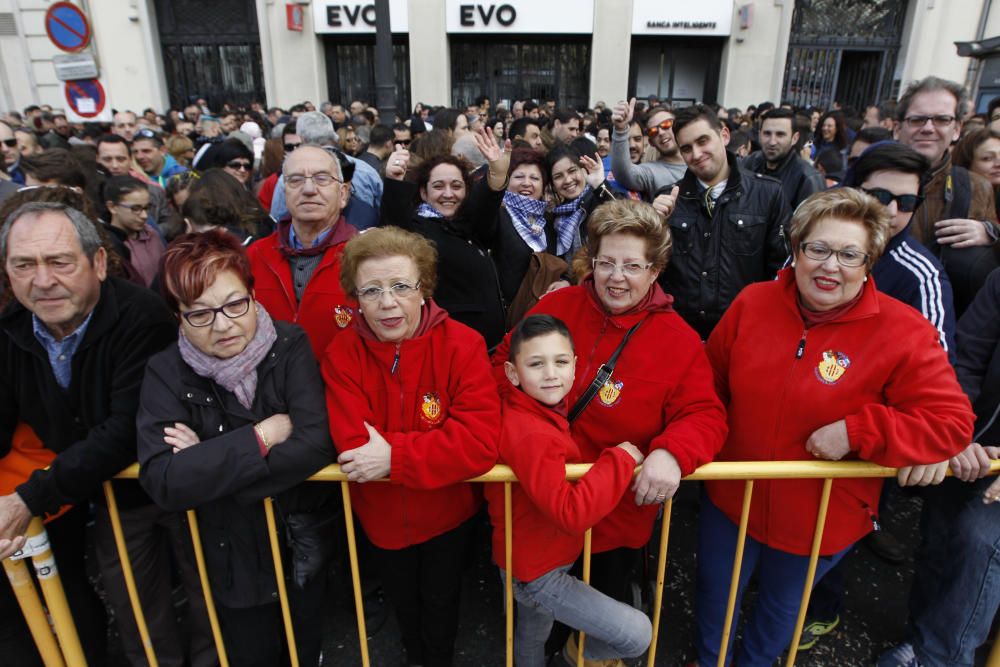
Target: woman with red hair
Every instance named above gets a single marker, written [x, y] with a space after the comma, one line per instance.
[231, 414]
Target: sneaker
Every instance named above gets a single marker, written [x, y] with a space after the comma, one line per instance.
[814, 630]
[569, 656]
[899, 656]
[885, 546]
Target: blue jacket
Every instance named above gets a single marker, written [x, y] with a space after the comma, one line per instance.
[171, 167]
[909, 272]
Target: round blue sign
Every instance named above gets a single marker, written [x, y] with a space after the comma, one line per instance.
[67, 27]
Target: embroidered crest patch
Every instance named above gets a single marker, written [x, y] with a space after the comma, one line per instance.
[430, 409]
[832, 367]
[343, 315]
[610, 393]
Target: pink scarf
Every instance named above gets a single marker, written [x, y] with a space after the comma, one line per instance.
[237, 374]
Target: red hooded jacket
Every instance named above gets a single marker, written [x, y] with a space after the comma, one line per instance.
[661, 395]
[325, 310]
[433, 399]
[549, 514]
[879, 366]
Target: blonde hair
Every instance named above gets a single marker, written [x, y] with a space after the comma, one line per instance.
[625, 216]
[843, 204]
[384, 242]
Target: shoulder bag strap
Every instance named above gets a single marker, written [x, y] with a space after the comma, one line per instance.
[603, 375]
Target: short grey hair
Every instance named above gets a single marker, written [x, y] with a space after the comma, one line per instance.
[316, 129]
[928, 85]
[337, 171]
[86, 230]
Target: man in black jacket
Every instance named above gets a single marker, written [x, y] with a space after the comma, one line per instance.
[728, 224]
[73, 350]
[779, 157]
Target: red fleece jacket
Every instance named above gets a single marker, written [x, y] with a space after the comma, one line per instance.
[433, 399]
[549, 514]
[661, 395]
[325, 310]
[879, 366]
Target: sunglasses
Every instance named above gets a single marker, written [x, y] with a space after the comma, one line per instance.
[403, 142]
[10, 143]
[905, 203]
[662, 127]
[239, 164]
[291, 147]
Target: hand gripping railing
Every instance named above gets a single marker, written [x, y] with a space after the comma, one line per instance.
[745, 471]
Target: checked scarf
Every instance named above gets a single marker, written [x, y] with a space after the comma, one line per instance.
[528, 215]
[568, 217]
[425, 210]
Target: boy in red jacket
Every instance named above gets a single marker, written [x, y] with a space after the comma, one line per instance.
[550, 515]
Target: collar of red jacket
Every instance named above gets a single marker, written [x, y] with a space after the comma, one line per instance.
[431, 315]
[655, 301]
[340, 233]
[518, 399]
[867, 305]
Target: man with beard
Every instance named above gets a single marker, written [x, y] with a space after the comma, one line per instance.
[779, 158]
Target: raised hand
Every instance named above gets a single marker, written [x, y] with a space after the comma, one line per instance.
[594, 168]
[622, 114]
[397, 164]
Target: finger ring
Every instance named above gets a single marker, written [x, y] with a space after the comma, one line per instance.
[395, 163]
[661, 495]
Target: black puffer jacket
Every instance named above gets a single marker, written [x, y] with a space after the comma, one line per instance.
[468, 284]
[224, 476]
[715, 257]
[978, 364]
[799, 179]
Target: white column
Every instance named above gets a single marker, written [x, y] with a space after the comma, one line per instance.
[430, 57]
[610, 50]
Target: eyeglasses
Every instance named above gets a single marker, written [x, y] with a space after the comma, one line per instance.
[403, 142]
[320, 180]
[662, 127]
[905, 203]
[606, 267]
[917, 122]
[820, 252]
[291, 147]
[10, 143]
[136, 209]
[398, 291]
[995, 117]
[240, 164]
[205, 317]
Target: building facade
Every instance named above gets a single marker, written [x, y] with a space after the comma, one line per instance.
[160, 53]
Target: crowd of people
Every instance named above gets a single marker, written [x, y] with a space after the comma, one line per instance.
[236, 299]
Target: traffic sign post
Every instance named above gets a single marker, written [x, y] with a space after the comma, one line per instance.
[86, 101]
[67, 27]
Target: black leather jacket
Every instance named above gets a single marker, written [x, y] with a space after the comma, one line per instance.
[714, 257]
[799, 179]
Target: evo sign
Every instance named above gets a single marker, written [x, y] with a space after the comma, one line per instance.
[682, 17]
[346, 18]
[520, 16]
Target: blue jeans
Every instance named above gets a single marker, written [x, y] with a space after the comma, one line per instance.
[780, 575]
[956, 585]
[614, 629]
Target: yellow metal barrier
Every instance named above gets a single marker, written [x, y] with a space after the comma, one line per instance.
[746, 471]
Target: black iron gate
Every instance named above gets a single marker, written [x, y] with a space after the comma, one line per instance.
[211, 50]
[844, 51]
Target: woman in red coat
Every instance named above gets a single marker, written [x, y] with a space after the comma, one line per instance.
[410, 396]
[818, 364]
[660, 396]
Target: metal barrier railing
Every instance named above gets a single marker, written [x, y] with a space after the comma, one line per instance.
[68, 652]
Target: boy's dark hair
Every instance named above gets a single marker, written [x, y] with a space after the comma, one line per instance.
[55, 164]
[380, 134]
[534, 326]
[694, 113]
[887, 156]
[520, 126]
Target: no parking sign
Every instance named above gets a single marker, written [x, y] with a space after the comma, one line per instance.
[86, 101]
